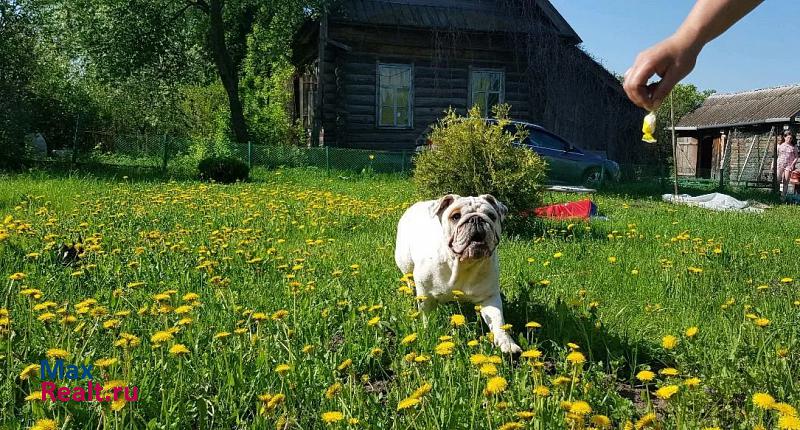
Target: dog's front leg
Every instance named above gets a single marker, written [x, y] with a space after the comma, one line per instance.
[492, 313]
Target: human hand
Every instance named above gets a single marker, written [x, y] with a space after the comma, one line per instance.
[671, 59]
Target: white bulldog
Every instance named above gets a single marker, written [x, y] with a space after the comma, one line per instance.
[449, 244]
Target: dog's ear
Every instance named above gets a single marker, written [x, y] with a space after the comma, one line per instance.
[443, 204]
[501, 209]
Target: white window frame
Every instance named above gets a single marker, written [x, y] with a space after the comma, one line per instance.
[472, 93]
[378, 98]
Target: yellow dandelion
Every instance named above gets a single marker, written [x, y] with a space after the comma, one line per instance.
[178, 349]
[333, 390]
[667, 391]
[373, 321]
[763, 401]
[28, 371]
[788, 422]
[541, 391]
[344, 365]
[692, 382]
[458, 320]
[576, 358]
[513, 425]
[409, 339]
[601, 421]
[691, 332]
[161, 336]
[57, 353]
[106, 362]
[332, 417]
[45, 425]
[669, 341]
[645, 376]
[761, 322]
[445, 348]
[495, 385]
[408, 402]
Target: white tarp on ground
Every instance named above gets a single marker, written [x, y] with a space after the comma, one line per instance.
[713, 201]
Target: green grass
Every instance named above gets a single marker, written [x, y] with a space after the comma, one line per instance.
[321, 248]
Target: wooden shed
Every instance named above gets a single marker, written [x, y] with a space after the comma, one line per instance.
[733, 137]
[375, 73]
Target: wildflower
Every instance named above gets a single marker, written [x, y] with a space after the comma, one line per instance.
[374, 321]
[178, 349]
[532, 353]
[495, 385]
[308, 349]
[112, 323]
[666, 392]
[344, 365]
[786, 280]
[576, 358]
[184, 309]
[788, 422]
[409, 339]
[332, 417]
[282, 369]
[541, 391]
[57, 353]
[457, 320]
[488, 369]
[525, 415]
[785, 409]
[645, 376]
[573, 346]
[669, 371]
[763, 401]
[280, 314]
[188, 297]
[472, 343]
[17, 276]
[669, 341]
[692, 382]
[761, 322]
[422, 390]
[33, 396]
[580, 408]
[691, 332]
[445, 348]
[45, 425]
[612, 259]
[376, 352]
[28, 371]
[161, 336]
[333, 390]
[533, 324]
[408, 402]
[222, 335]
[645, 421]
[601, 421]
[105, 362]
[511, 426]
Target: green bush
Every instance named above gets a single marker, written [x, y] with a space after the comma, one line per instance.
[471, 156]
[223, 169]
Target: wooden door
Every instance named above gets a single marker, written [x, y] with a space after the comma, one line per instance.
[687, 156]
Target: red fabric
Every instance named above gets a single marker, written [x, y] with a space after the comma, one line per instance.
[583, 209]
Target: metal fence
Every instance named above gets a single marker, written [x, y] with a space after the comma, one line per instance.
[179, 156]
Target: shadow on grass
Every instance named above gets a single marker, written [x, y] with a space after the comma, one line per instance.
[563, 323]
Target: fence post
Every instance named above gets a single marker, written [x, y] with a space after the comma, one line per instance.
[327, 161]
[165, 159]
[249, 155]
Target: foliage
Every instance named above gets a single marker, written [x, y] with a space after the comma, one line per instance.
[471, 156]
[225, 170]
[686, 98]
[285, 271]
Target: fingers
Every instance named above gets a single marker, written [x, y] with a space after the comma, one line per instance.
[636, 83]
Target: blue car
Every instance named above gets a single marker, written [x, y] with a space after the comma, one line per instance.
[567, 163]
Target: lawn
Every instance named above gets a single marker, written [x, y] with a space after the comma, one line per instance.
[277, 304]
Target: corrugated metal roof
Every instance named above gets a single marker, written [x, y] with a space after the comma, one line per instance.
[751, 107]
[476, 15]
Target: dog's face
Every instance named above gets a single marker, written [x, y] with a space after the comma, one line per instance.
[471, 225]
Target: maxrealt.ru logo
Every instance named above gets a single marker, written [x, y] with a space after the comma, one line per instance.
[59, 371]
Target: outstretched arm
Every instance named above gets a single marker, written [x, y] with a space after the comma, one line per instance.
[674, 57]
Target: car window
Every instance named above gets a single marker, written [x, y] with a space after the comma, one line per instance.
[546, 140]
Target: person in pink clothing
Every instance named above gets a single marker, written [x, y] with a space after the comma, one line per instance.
[787, 157]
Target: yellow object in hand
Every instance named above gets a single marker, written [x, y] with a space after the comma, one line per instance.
[649, 128]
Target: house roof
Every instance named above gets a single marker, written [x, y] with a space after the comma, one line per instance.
[770, 105]
[475, 15]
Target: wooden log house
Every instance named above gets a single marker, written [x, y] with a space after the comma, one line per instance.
[374, 74]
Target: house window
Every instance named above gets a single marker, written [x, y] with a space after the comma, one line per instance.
[394, 95]
[487, 89]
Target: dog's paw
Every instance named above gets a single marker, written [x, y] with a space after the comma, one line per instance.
[508, 346]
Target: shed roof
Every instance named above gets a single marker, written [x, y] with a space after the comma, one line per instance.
[475, 15]
[769, 105]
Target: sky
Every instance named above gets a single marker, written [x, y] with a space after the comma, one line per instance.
[757, 52]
